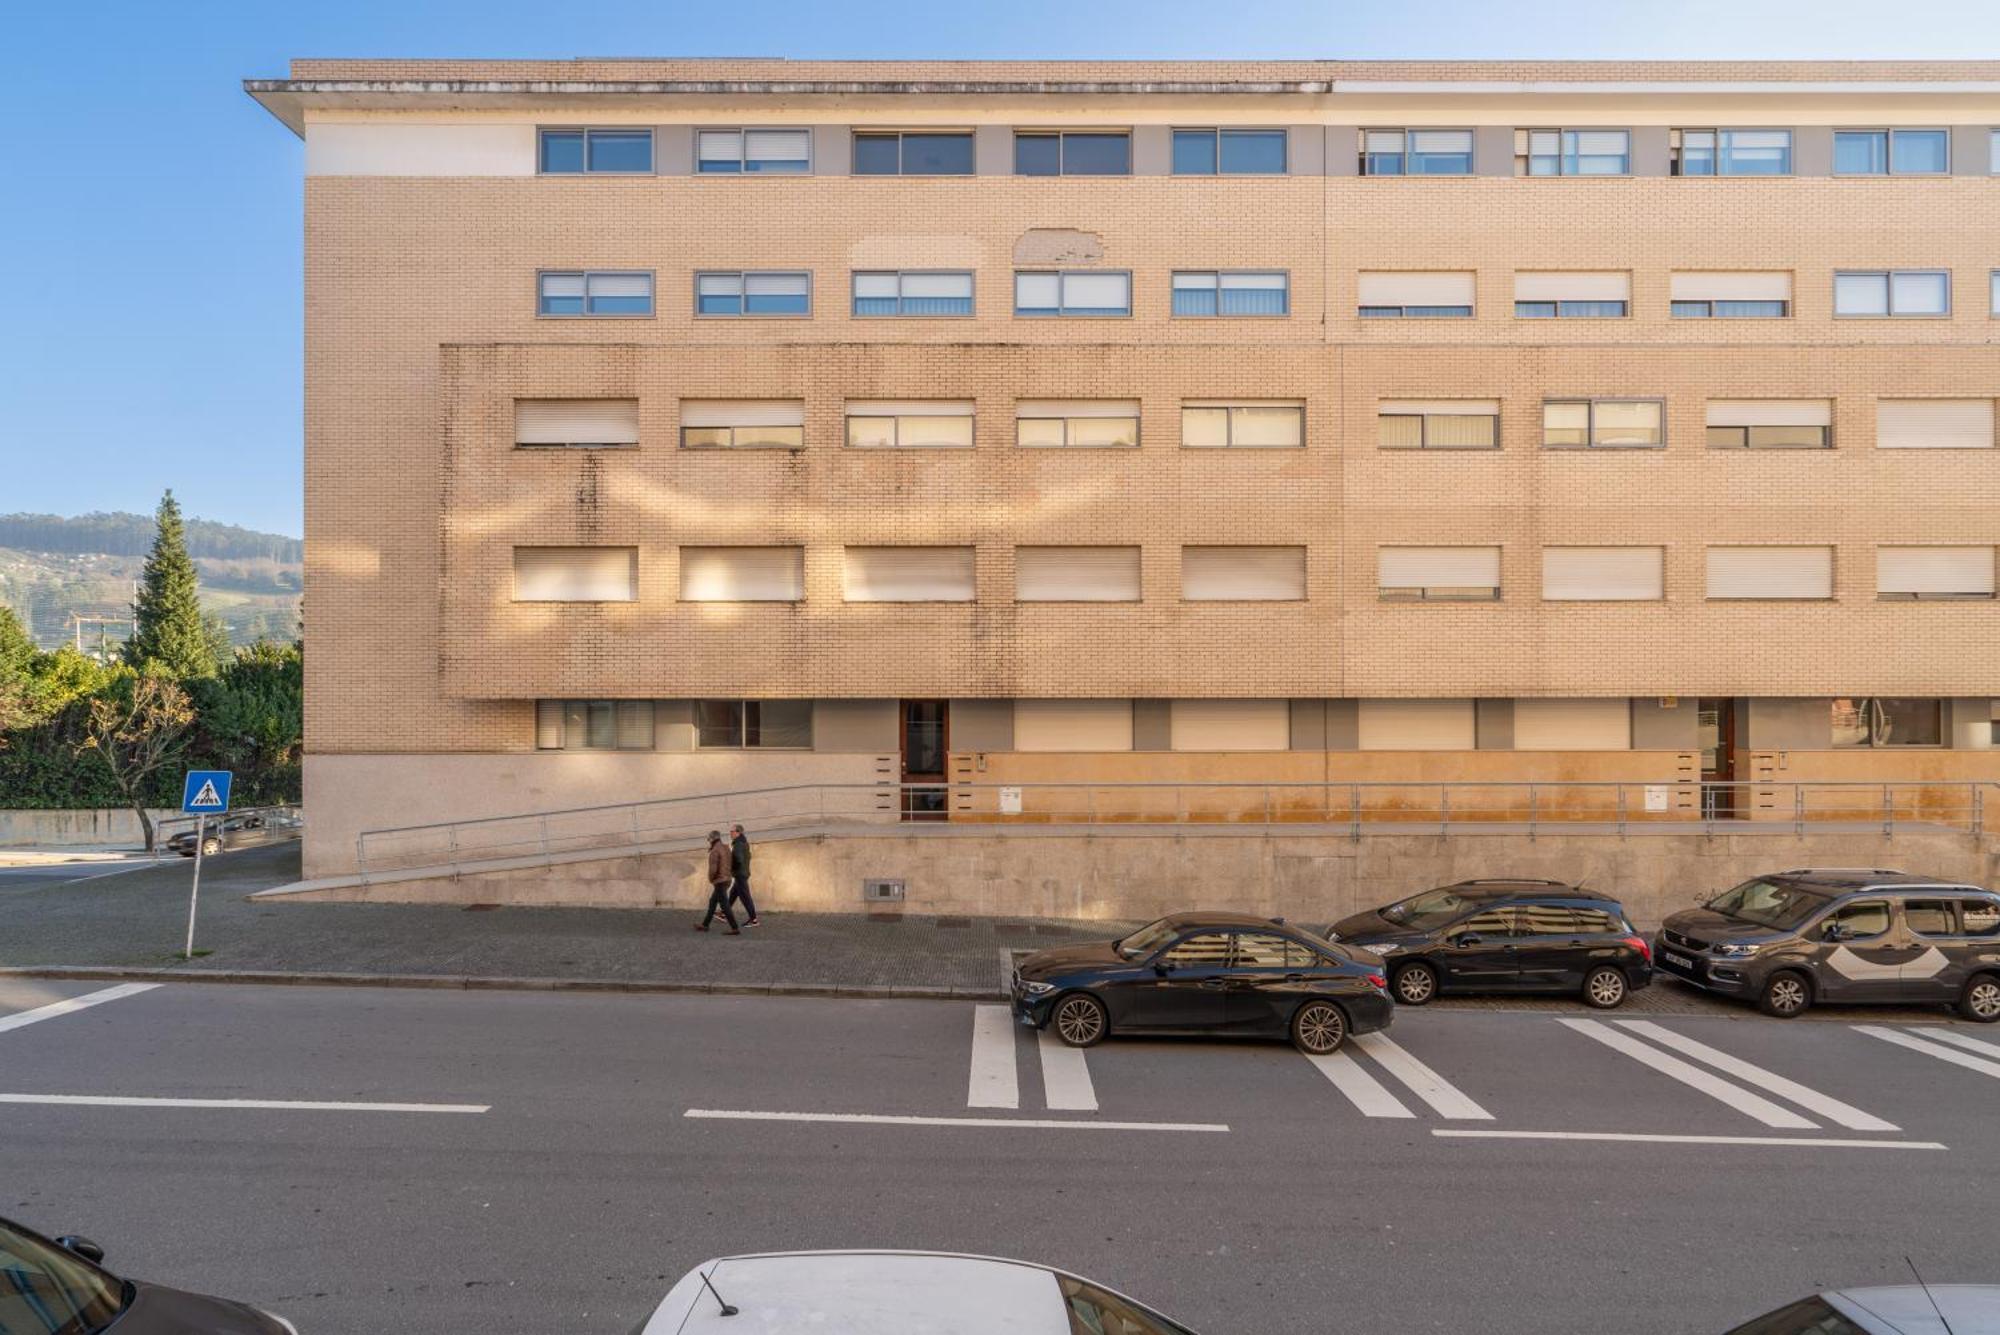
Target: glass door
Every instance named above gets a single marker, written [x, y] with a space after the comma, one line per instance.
[926, 742]
[1716, 721]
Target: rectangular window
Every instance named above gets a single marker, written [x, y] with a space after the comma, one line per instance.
[1887, 721]
[1243, 574]
[912, 292]
[1072, 292]
[606, 152]
[1239, 293]
[594, 292]
[1416, 725]
[594, 725]
[1438, 424]
[767, 724]
[1411, 296]
[753, 152]
[1885, 294]
[1076, 574]
[908, 575]
[576, 574]
[1603, 574]
[1941, 574]
[1730, 152]
[1072, 153]
[1229, 725]
[1077, 424]
[1891, 152]
[765, 292]
[1572, 152]
[1416, 152]
[1934, 424]
[1770, 572]
[1627, 424]
[909, 424]
[1229, 152]
[583, 424]
[1573, 725]
[1438, 574]
[1770, 424]
[1243, 424]
[1726, 296]
[742, 574]
[743, 424]
[1572, 296]
[1993, 300]
[913, 153]
[1072, 725]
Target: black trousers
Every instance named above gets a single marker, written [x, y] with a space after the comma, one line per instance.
[718, 902]
[741, 890]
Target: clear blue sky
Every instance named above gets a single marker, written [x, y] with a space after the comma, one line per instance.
[149, 333]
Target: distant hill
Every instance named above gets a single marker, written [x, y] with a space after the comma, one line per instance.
[52, 567]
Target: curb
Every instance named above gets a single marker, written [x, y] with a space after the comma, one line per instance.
[470, 983]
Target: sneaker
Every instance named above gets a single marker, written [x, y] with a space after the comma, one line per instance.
[701, 927]
[754, 922]
[734, 932]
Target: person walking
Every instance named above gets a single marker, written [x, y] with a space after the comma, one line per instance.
[739, 868]
[718, 885]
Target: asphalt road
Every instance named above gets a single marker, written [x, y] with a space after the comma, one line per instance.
[1336, 1198]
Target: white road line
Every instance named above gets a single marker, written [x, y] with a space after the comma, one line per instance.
[1363, 1090]
[1938, 1050]
[993, 1083]
[1752, 1105]
[1425, 1083]
[276, 1105]
[1991, 1051]
[1065, 1078]
[88, 999]
[1642, 1138]
[885, 1119]
[1846, 1114]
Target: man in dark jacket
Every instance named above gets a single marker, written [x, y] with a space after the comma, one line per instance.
[718, 885]
[739, 867]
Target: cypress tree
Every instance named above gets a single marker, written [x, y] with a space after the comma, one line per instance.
[168, 631]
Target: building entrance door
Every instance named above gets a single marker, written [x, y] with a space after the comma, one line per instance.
[926, 742]
[1716, 720]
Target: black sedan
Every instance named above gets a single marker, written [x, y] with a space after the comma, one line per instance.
[60, 1288]
[250, 830]
[1205, 973]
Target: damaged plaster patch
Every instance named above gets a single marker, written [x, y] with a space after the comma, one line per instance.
[1058, 245]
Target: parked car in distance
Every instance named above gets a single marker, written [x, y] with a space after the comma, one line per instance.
[1504, 936]
[895, 1293]
[1794, 938]
[1905, 1309]
[1205, 973]
[61, 1287]
[252, 829]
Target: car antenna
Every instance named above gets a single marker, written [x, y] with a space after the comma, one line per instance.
[727, 1310]
[1928, 1294]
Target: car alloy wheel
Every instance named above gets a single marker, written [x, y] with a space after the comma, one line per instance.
[1319, 1028]
[1079, 1020]
[1786, 995]
[1982, 999]
[1605, 988]
[1415, 984]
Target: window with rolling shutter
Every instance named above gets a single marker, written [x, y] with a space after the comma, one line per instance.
[1072, 725]
[1934, 424]
[1573, 725]
[1077, 424]
[1438, 424]
[1770, 572]
[1412, 295]
[1550, 296]
[909, 424]
[909, 575]
[576, 423]
[1770, 424]
[576, 574]
[1076, 574]
[1416, 725]
[1603, 574]
[743, 424]
[1737, 295]
[1229, 725]
[1934, 573]
[1438, 574]
[1243, 574]
[742, 574]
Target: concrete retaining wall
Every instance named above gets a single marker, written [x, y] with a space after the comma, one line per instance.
[74, 828]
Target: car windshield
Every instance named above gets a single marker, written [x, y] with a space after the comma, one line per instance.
[1768, 903]
[1433, 908]
[1095, 1311]
[1146, 940]
[45, 1290]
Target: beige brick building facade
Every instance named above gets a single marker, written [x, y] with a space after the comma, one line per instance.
[437, 691]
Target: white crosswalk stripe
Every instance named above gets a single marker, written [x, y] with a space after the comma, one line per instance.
[1065, 1075]
[1845, 1114]
[1425, 1083]
[993, 1082]
[49, 1012]
[1983, 1065]
[1363, 1090]
[1745, 1102]
[1966, 1041]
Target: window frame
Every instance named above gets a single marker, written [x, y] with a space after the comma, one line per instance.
[742, 742]
[1062, 283]
[652, 148]
[1869, 717]
[1889, 312]
[733, 446]
[1524, 152]
[847, 436]
[742, 294]
[1708, 438]
[1889, 150]
[1471, 151]
[1421, 593]
[1676, 152]
[1219, 275]
[1062, 151]
[1423, 444]
[743, 132]
[1675, 313]
[1590, 423]
[1229, 410]
[652, 294]
[1137, 419]
[855, 136]
[563, 704]
[1558, 313]
[971, 297]
[1993, 565]
[1216, 134]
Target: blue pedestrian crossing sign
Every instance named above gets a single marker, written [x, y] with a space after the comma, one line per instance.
[206, 791]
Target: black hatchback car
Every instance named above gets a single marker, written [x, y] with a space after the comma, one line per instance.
[1793, 938]
[1504, 936]
[1205, 973]
[61, 1288]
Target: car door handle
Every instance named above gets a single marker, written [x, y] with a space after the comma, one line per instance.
[1509, 947]
[1215, 982]
[1295, 978]
[1576, 940]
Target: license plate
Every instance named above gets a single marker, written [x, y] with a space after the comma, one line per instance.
[1681, 960]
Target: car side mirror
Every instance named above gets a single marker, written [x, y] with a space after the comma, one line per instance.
[1466, 939]
[1162, 968]
[83, 1247]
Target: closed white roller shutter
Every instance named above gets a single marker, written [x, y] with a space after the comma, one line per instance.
[1573, 725]
[1936, 424]
[1077, 408]
[743, 412]
[1770, 412]
[1072, 725]
[1767, 286]
[909, 575]
[575, 574]
[742, 574]
[1416, 289]
[1076, 574]
[1438, 567]
[1770, 572]
[1251, 574]
[1439, 408]
[1230, 725]
[1572, 287]
[576, 421]
[1964, 572]
[1603, 574]
[1416, 725]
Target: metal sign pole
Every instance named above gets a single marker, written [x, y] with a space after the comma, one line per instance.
[200, 838]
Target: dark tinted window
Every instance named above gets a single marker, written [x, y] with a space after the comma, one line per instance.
[1037, 155]
[562, 150]
[1598, 920]
[1768, 904]
[1489, 922]
[1194, 152]
[1253, 152]
[1433, 908]
[1930, 917]
[1298, 956]
[877, 155]
[1809, 1316]
[1208, 950]
[1261, 950]
[1981, 917]
[1859, 921]
[1545, 919]
[1096, 155]
[937, 155]
[45, 1289]
[621, 150]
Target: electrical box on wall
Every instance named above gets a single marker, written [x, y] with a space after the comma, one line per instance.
[878, 890]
